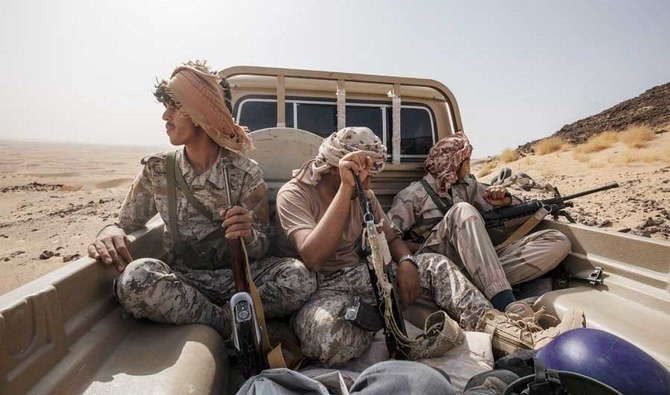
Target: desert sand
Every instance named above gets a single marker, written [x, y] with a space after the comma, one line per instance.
[639, 206]
[54, 198]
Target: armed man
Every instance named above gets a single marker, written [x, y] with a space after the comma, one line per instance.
[187, 188]
[321, 222]
[441, 213]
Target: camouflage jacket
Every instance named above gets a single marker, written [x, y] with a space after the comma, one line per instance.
[414, 211]
[148, 196]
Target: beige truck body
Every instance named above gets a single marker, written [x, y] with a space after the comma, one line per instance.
[63, 333]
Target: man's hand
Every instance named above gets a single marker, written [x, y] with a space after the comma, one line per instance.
[237, 223]
[497, 196]
[355, 163]
[110, 248]
[408, 282]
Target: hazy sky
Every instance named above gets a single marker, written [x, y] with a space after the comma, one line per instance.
[83, 71]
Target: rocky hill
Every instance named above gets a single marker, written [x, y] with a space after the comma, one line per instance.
[652, 108]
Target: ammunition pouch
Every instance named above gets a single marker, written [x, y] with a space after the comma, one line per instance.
[210, 253]
[364, 316]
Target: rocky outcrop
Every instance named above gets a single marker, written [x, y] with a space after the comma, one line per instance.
[652, 108]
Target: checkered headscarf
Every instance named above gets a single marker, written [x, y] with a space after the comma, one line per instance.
[338, 144]
[445, 158]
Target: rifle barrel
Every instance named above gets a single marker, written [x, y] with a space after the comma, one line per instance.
[590, 191]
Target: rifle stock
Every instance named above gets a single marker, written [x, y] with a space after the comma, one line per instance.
[246, 329]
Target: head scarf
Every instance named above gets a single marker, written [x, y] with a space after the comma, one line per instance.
[445, 158]
[338, 144]
[198, 94]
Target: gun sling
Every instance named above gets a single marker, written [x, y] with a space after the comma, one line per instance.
[526, 227]
[175, 176]
[520, 232]
[443, 205]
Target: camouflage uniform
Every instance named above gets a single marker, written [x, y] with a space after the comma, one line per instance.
[326, 336]
[176, 292]
[462, 237]
[320, 324]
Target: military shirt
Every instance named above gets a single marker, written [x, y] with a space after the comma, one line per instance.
[414, 211]
[148, 196]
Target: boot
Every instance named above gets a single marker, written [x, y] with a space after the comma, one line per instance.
[511, 332]
[520, 308]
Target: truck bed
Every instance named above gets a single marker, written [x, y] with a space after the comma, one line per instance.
[63, 333]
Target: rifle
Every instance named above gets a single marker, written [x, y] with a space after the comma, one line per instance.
[372, 252]
[247, 335]
[506, 216]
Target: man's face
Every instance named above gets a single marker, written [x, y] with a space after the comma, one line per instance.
[178, 126]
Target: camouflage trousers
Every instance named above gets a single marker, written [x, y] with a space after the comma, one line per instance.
[462, 237]
[149, 288]
[325, 334]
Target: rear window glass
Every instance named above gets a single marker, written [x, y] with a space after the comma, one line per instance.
[262, 114]
[320, 119]
[370, 117]
[416, 136]
[417, 133]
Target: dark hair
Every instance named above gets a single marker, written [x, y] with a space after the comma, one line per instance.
[227, 97]
[162, 94]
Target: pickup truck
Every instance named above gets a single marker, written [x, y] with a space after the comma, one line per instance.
[63, 333]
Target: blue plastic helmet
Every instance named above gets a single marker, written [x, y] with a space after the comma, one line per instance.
[606, 358]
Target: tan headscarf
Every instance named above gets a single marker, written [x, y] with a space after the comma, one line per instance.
[199, 95]
[338, 144]
[445, 158]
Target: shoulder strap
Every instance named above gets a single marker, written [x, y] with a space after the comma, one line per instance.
[439, 202]
[187, 191]
[172, 198]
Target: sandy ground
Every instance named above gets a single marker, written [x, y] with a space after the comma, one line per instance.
[53, 200]
[639, 206]
[55, 197]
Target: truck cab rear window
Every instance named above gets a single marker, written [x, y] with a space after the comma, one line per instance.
[416, 131]
[260, 114]
[320, 117]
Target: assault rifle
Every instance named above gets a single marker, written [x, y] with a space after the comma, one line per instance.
[372, 251]
[246, 328]
[506, 216]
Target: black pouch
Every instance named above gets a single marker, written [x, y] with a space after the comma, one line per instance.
[210, 253]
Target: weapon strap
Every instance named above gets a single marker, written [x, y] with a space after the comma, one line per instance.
[443, 205]
[174, 177]
[523, 230]
[183, 186]
[172, 199]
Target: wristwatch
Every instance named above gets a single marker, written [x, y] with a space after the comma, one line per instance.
[410, 259]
